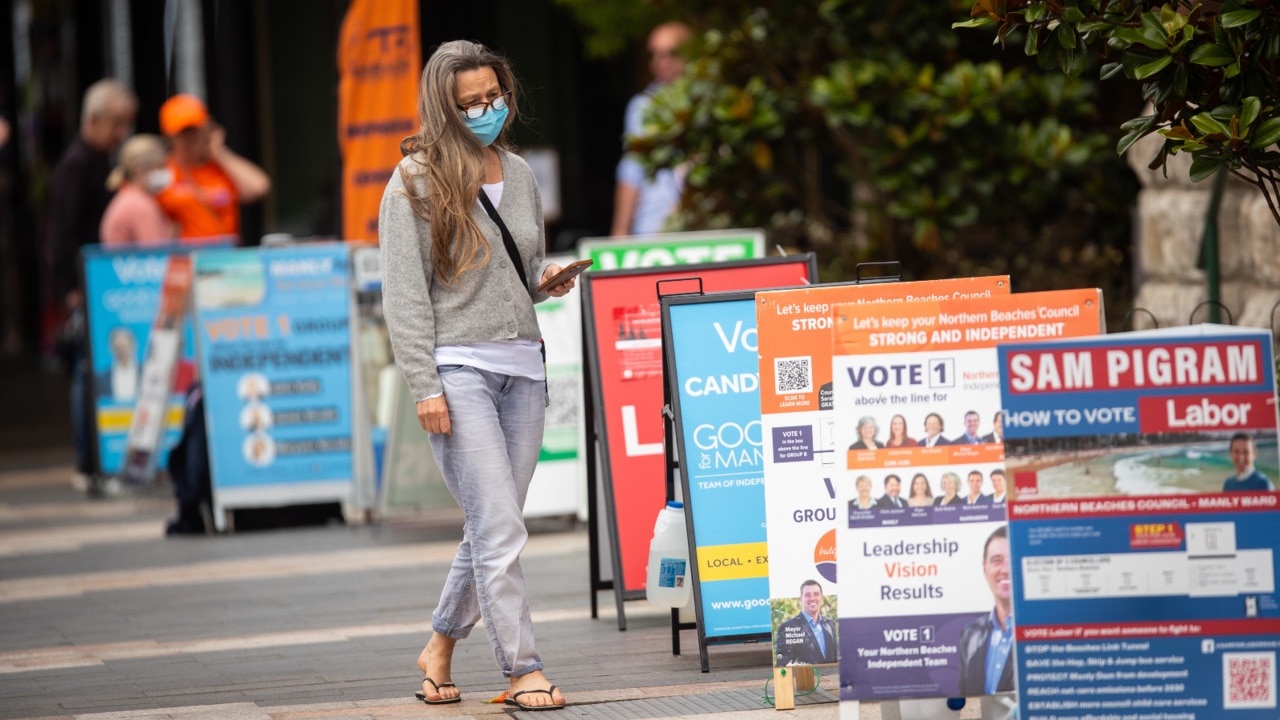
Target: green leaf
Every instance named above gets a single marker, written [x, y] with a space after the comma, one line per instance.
[1110, 70]
[1208, 125]
[1072, 15]
[1238, 17]
[1127, 141]
[1124, 37]
[1249, 110]
[1047, 59]
[1271, 46]
[1185, 36]
[1179, 87]
[1134, 58]
[1144, 122]
[1093, 26]
[1172, 20]
[1145, 71]
[1211, 55]
[1074, 61]
[1153, 32]
[1268, 134]
[1137, 127]
[1032, 45]
[1204, 165]
[1224, 112]
[1034, 12]
[975, 22]
[1066, 37]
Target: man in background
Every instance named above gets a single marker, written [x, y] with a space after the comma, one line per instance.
[998, 486]
[1247, 478]
[997, 429]
[986, 644]
[808, 638]
[975, 496]
[640, 205]
[78, 197]
[892, 490]
[209, 180]
[78, 194]
[970, 436]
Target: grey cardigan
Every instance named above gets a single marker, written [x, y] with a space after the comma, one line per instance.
[483, 304]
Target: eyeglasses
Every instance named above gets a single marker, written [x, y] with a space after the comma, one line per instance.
[476, 110]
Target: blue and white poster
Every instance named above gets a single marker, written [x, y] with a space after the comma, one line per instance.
[1142, 524]
[122, 298]
[274, 333]
[716, 369]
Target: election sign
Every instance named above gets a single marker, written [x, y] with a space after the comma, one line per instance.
[663, 249]
[624, 351]
[123, 292]
[559, 481]
[1143, 524]
[803, 447]
[273, 329]
[715, 390]
[922, 488]
[164, 347]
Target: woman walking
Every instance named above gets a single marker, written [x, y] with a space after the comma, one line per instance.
[463, 250]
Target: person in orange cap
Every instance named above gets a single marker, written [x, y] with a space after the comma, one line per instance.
[209, 180]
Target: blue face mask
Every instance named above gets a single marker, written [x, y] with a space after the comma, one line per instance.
[488, 126]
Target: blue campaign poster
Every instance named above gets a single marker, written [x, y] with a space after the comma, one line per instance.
[122, 298]
[1142, 526]
[274, 333]
[716, 369]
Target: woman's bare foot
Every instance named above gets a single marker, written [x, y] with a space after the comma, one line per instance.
[534, 681]
[436, 662]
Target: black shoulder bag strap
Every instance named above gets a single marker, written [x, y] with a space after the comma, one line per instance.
[514, 252]
[507, 240]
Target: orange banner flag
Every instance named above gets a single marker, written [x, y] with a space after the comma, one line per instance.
[379, 61]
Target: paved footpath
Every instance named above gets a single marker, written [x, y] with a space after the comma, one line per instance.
[101, 617]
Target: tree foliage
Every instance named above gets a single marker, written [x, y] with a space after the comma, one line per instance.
[1210, 70]
[872, 131]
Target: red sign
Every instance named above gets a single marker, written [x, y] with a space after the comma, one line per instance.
[1114, 505]
[1188, 364]
[621, 312]
[1195, 413]
[1155, 535]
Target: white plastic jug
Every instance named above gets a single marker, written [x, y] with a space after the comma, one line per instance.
[667, 583]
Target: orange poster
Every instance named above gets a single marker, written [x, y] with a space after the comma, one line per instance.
[797, 325]
[379, 61]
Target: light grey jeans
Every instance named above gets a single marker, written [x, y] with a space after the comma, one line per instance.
[487, 463]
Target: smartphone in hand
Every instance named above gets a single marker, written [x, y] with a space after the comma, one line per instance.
[568, 273]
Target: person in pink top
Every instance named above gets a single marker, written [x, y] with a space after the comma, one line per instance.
[134, 217]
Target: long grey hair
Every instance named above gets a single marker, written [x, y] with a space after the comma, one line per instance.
[451, 158]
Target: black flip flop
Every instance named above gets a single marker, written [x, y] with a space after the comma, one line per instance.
[442, 701]
[514, 700]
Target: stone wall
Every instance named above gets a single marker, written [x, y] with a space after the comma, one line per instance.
[1171, 214]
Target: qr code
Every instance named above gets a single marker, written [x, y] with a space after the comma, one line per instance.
[1248, 680]
[792, 375]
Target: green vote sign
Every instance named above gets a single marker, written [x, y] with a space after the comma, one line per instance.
[685, 248]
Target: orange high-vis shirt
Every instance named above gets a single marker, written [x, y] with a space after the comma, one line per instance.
[203, 201]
